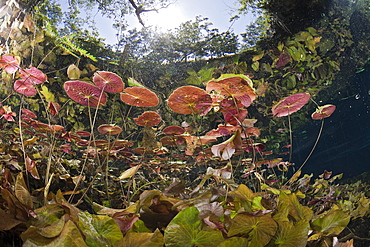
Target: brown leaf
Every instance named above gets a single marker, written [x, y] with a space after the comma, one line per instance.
[7, 221]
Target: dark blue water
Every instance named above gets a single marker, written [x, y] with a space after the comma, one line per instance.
[344, 146]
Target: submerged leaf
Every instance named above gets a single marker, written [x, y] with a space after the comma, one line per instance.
[85, 93]
[185, 230]
[184, 99]
[148, 118]
[291, 104]
[323, 112]
[139, 96]
[108, 81]
[332, 223]
[260, 229]
[99, 230]
[292, 234]
[135, 239]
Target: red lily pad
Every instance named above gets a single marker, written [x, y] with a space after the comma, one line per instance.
[173, 130]
[83, 133]
[172, 140]
[108, 82]
[323, 112]
[24, 87]
[33, 75]
[236, 86]
[9, 63]
[291, 104]
[99, 143]
[109, 129]
[29, 113]
[148, 118]
[85, 93]
[139, 96]
[184, 99]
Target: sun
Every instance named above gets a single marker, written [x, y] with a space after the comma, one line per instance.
[167, 18]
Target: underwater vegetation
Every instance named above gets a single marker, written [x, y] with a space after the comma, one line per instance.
[94, 187]
[102, 152]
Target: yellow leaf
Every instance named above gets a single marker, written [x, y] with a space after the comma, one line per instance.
[73, 72]
[258, 57]
[36, 156]
[30, 141]
[49, 96]
[129, 172]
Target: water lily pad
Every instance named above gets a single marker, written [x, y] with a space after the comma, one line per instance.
[139, 96]
[108, 81]
[260, 229]
[85, 93]
[184, 99]
[185, 230]
[24, 87]
[291, 104]
[33, 75]
[148, 118]
[109, 129]
[323, 112]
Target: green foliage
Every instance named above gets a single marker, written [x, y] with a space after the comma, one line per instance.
[186, 230]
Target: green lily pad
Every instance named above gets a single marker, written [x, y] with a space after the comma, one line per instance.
[100, 230]
[185, 230]
[260, 229]
[135, 239]
[292, 234]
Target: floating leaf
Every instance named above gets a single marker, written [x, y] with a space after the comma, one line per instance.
[24, 87]
[109, 129]
[9, 63]
[291, 104]
[139, 96]
[184, 99]
[323, 112]
[108, 82]
[236, 86]
[33, 75]
[173, 130]
[85, 93]
[29, 113]
[227, 147]
[148, 118]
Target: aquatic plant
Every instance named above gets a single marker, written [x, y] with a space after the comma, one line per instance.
[206, 207]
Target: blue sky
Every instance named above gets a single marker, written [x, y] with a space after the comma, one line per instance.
[218, 12]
